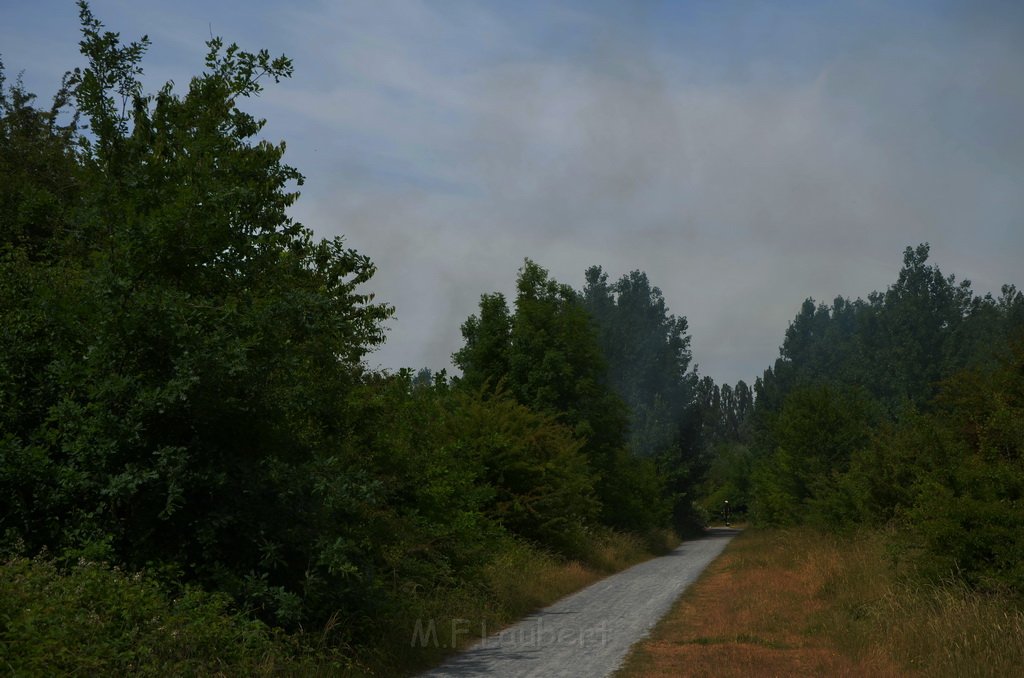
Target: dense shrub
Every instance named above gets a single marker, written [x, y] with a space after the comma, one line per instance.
[96, 620]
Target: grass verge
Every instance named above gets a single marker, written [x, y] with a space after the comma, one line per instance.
[518, 580]
[799, 603]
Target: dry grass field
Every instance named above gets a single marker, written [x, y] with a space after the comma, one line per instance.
[798, 603]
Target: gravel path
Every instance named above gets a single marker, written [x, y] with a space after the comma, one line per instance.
[589, 633]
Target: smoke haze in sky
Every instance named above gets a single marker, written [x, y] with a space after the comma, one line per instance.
[746, 155]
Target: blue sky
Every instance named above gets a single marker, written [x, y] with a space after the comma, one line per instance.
[745, 154]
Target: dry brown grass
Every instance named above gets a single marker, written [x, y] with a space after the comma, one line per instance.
[754, 612]
[522, 580]
[797, 603]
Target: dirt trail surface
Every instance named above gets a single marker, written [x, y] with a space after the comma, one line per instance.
[589, 633]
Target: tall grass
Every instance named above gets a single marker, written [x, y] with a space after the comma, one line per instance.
[804, 603]
[937, 628]
[878, 609]
[517, 580]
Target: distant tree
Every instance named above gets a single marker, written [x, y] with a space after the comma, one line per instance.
[548, 356]
[728, 479]
[883, 359]
[898, 344]
[817, 433]
[917, 330]
[648, 354]
[744, 399]
[968, 507]
[484, 358]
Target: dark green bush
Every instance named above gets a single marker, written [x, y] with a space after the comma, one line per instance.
[96, 620]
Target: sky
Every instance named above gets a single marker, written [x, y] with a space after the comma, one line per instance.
[745, 154]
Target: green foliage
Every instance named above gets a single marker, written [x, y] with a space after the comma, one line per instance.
[817, 432]
[38, 161]
[484, 358]
[648, 355]
[182, 393]
[548, 357]
[728, 479]
[898, 345]
[556, 364]
[97, 620]
[177, 352]
[902, 410]
[968, 499]
[541, 485]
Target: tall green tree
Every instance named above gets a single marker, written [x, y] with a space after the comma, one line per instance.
[648, 354]
[177, 353]
[817, 433]
[484, 359]
[547, 354]
[890, 353]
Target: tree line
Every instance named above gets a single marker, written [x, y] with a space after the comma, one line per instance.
[903, 410]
